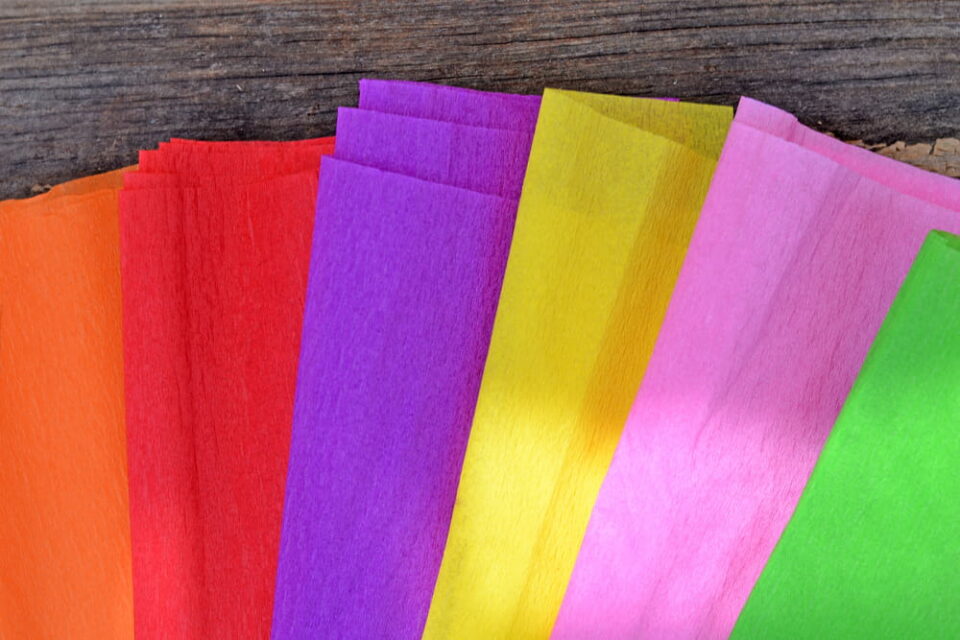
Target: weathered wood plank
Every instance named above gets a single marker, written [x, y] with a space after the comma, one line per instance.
[83, 85]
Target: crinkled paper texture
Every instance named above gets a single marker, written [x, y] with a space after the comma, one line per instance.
[450, 104]
[871, 550]
[795, 260]
[607, 209]
[64, 521]
[403, 286]
[413, 231]
[215, 251]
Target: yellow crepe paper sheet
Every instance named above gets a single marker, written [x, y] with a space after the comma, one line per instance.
[613, 190]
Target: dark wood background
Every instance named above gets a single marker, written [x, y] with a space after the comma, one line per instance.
[84, 85]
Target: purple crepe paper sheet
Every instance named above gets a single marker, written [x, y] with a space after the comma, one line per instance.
[404, 282]
[450, 104]
[479, 158]
[360, 559]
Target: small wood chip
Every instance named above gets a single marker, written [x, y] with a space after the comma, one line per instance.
[943, 156]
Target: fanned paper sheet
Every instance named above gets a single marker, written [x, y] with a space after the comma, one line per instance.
[405, 276]
[215, 250]
[481, 159]
[795, 260]
[438, 391]
[612, 191]
[450, 104]
[871, 551]
[64, 516]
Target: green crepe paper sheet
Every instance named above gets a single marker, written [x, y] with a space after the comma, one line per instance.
[873, 548]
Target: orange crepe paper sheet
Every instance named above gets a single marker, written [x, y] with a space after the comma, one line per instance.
[64, 520]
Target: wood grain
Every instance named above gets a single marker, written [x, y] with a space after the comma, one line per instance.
[85, 84]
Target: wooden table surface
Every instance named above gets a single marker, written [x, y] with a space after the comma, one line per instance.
[84, 84]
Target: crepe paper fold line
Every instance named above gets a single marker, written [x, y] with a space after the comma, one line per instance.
[604, 219]
[793, 264]
[697, 126]
[912, 181]
[450, 104]
[64, 527]
[403, 287]
[476, 158]
[203, 164]
[214, 268]
[187, 168]
[198, 167]
[871, 550]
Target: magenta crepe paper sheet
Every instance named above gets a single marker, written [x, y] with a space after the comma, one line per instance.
[451, 104]
[795, 260]
[478, 158]
[404, 282]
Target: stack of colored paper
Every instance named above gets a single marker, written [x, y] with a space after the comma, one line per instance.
[215, 242]
[491, 366]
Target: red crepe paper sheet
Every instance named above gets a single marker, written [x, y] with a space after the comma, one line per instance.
[215, 246]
